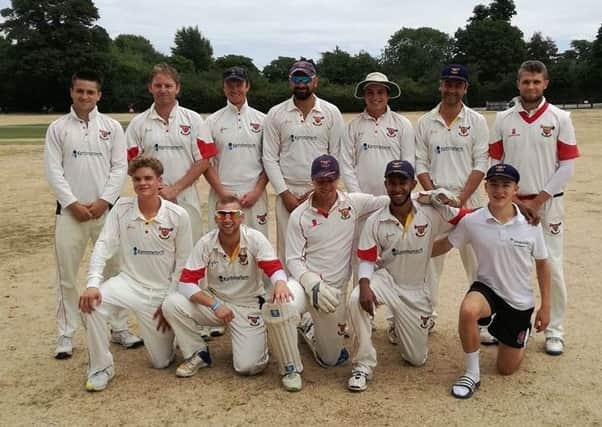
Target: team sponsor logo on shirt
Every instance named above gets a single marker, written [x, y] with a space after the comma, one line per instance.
[230, 278]
[137, 251]
[366, 147]
[104, 134]
[262, 219]
[513, 133]
[253, 320]
[555, 228]
[546, 131]
[165, 232]
[255, 127]
[397, 252]
[232, 146]
[185, 130]
[345, 212]
[294, 138]
[341, 329]
[421, 229]
[79, 153]
[520, 243]
[463, 130]
[424, 322]
[242, 257]
[318, 120]
[159, 147]
[447, 148]
[392, 132]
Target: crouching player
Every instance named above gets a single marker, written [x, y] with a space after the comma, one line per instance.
[400, 237]
[505, 245]
[222, 285]
[152, 238]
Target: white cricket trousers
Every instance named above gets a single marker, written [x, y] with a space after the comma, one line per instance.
[249, 340]
[411, 309]
[71, 238]
[282, 215]
[196, 224]
[256, 216]
[123, 292]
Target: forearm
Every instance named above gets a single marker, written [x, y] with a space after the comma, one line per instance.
[196, 170]
[543, 279]
[425, 181]
[212, 178]
[471, 185]
[261, 183]
[440, 247]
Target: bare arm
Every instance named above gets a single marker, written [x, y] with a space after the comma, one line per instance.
[440, 247]
[542, 318]
[471, 185]
[425, 180]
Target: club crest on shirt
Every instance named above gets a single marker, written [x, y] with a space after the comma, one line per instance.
[104, 134]
[253, 320]
[424, 322]
[513, 133]
[555, 228]
[255, 127]
[392, 132]
[421, 229]
[546, 131]
[345, 212]
[341, 331]
[165, 232]
[262, 219]
[185, 130]
[318, 120]
[315, 222]
[463, 130]
[242, 256]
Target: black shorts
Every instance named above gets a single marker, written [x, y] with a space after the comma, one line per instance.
[510, 326]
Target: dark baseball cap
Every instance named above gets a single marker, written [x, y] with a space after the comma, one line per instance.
[235, 73]
[325, 166]
[455, 71]
[303, 66]
[503, 170]
[401, 167]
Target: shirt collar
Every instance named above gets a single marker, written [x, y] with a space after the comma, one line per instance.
[519, 218]
[519, 106]
[91, 115]
[435, 115]
[160, 217]
[341, 199]
[366, 116]
[217, 246]
[234, 109]
[292, 107]
[154, 115]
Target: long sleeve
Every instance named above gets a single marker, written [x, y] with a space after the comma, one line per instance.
[106, 246]
[271, 154]
[53, 167]
[118, 173]
[348, 160]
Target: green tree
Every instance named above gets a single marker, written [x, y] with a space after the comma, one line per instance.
[228, 61]
[277, 70]
[543, 49]
[190, 43]
[336, 66]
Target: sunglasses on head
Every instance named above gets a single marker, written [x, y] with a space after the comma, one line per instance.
[223, 215]
[301, 79]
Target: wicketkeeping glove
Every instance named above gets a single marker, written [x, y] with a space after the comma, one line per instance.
[322, 296]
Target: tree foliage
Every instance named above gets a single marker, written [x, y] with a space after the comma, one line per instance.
[190, 43]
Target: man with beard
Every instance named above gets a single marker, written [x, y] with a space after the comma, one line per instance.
[297, 131]
[538, 139]
[451, 153]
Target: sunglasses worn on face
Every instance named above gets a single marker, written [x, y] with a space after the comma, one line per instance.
[223, 215]
[301, 79]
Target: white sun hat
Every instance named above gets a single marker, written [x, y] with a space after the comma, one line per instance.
[377, 78]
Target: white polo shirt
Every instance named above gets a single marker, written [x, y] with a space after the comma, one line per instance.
[151, 252]
[85, 161]
[237, 135]
[404, 250]
[321, 242]
[237, 280]
[369, 144]
[291, 142]
[450, 154]
[175, 143]
[533, 144]
[504, 252]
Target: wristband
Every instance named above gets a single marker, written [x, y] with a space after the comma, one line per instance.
[215, 305]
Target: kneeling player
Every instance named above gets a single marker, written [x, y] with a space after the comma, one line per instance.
[153, 240]
[227, 263]
[504, 244]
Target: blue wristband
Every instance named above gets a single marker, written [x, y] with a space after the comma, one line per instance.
[215, 305]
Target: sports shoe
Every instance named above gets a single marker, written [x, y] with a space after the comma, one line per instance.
[126, 339]
[358, 381]
[64, 347]
[292, 382]
[391, 334]
[485, 337]
[199, 360]
[98, 381]
[216, 331]
[554, 346]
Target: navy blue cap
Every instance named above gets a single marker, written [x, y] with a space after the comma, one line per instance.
[235, 73]
[303, 66]
[325, 166]
[504, 170]
[455, 71]
[401, 167]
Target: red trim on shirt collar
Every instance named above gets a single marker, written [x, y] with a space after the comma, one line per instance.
[537, 115]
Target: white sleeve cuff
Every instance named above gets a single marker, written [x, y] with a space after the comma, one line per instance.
[365, 270]
[278, 275]
[188, 289]
[94, 283]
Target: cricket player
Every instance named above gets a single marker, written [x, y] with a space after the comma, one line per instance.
[152, 238]
[397, 239]
[237, 130]
[296, 132]
[85, 165]
[505, 244]
[170, 133]
[538, 139]
[452, 153]
[222, 285]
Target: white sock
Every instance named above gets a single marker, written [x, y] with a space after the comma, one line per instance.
[473, 371]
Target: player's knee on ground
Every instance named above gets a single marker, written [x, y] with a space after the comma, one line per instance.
[509, 359]
[414, 358]
[172, 305]
[250, 367]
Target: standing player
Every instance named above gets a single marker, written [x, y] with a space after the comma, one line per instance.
[236, 131]
[229, 263]
[170, 133]
[451, 153]
[399, 237]
[539, 140]
[505, 244]
[151, 236]
[85, 164]
[296, 132]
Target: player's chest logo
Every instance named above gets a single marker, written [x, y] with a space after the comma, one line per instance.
[184, 130]
[546, 131]
[345, 212]
[392, 132]
[555, 228]
[262, 219]
[255, 127]
[389, 236]
[315, 223]
[318, 120]
[463, 130]
[104, 134]
[253, 320]
[421, 229]
[513, 133]
[243, 259]
[165, 232]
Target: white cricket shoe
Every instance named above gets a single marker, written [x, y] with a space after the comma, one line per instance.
[358, 381]
[292, 382]
[485, 337]
[64, 347]
[126, 339]
[199, 360]
[98, 381]
[554, 346]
